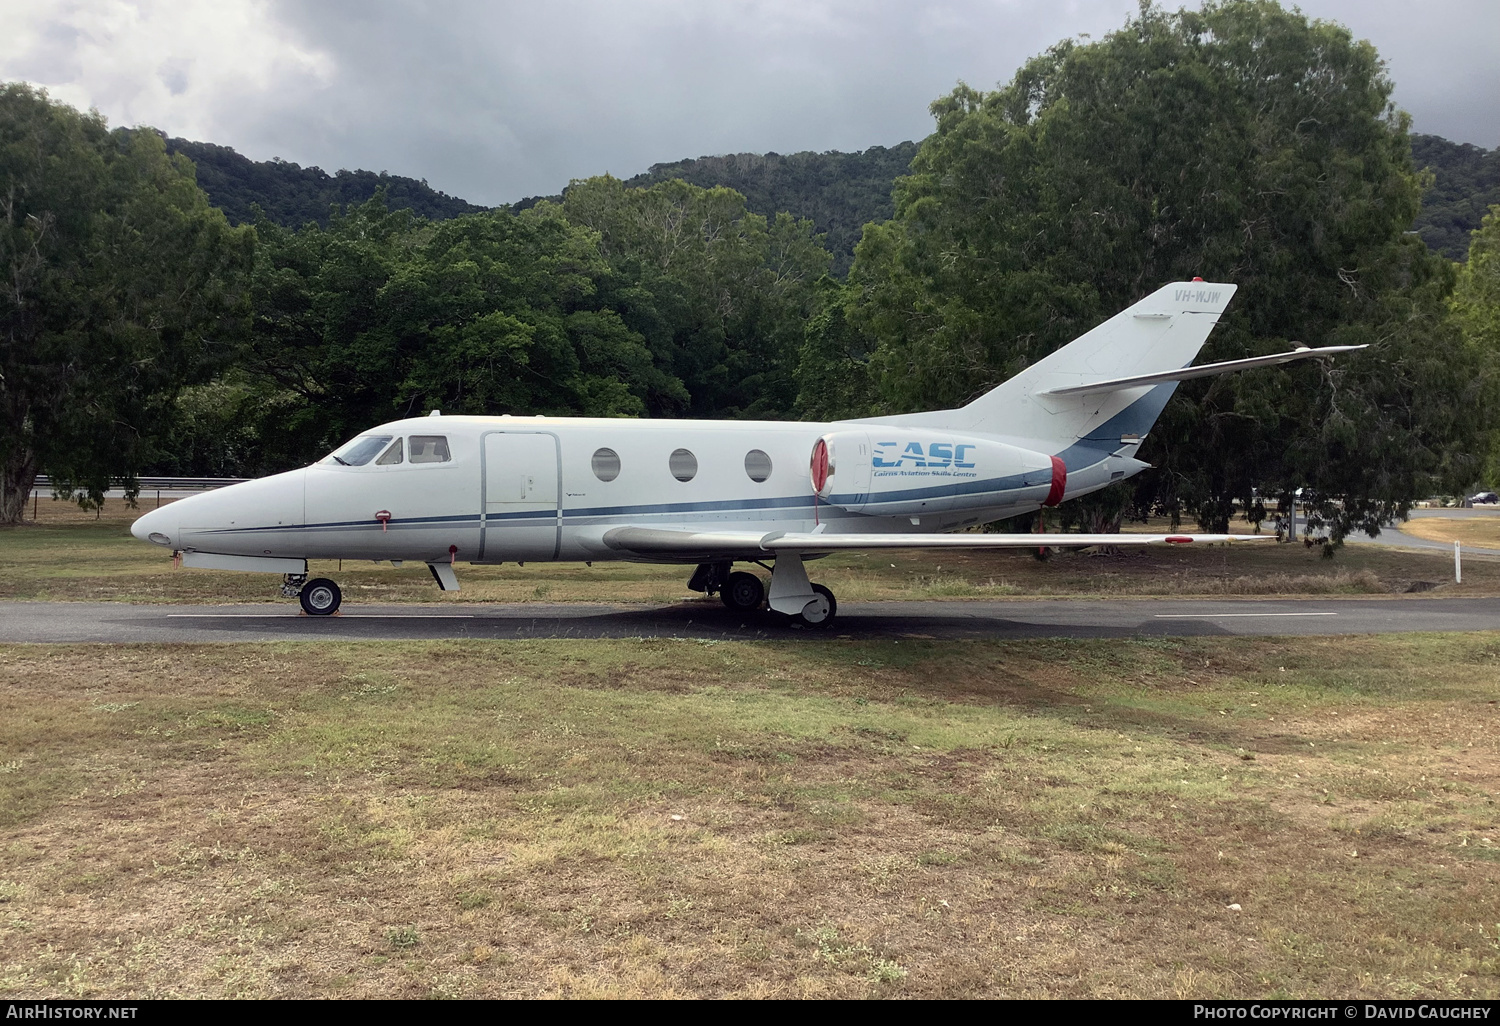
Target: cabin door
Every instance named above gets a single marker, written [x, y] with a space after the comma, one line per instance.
[521, 500]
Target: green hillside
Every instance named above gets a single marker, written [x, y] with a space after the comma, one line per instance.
[1468, 182]
[293, 195]
[838, 192]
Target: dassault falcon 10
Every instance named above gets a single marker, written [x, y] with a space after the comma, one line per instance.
[487, 490]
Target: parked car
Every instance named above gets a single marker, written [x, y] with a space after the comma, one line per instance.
[1484, 498]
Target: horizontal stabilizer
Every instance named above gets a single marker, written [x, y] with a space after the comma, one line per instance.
[1205, 371]
[661, 542]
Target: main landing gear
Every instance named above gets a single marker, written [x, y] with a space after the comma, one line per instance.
[803, 603]
[743, 592]
[821, 610]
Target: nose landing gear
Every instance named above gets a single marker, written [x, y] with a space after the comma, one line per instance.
[318, 597]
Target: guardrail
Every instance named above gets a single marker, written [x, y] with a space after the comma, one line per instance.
[153, 483]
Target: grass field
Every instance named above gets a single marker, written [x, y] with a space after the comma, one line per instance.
[1197, 818]
[69, 554]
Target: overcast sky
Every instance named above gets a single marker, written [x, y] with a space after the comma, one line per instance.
[493, 101]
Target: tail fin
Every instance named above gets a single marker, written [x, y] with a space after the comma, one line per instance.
[1163, 332]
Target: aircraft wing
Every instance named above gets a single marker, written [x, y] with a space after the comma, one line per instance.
[658, 541]
[791, 542]
[709, 543]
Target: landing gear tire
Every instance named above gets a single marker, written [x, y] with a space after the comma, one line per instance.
[743, 592]
[320, 597]
[820, 611]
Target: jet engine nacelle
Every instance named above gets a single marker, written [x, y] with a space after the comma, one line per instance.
[901, 472]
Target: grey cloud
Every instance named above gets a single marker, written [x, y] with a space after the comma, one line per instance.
[1441, 55]
[495, 101]
[52, 58]
[174, 75]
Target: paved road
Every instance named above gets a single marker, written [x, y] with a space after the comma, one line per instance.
[77, 621]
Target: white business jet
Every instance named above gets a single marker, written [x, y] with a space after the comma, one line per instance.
[487, 490]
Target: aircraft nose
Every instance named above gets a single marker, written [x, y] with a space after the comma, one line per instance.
[158, 526]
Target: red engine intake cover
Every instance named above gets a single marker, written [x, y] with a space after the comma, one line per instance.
[1059, 483]
[819, 465]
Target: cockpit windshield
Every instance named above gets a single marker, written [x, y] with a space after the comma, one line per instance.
[360, 451]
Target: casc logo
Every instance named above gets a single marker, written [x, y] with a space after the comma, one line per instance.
[938, 454]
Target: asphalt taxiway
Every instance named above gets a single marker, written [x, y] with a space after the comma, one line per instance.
[118, 622]
[1395, 537]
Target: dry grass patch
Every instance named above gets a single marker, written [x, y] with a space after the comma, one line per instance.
[647, 818]
[1483, 531]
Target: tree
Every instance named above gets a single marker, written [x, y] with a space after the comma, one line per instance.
[1476, 306]
[121, 285]
[1476, 300]
[832, 374]
[838, 192]
[619, 302]
[1241, 143]
[720, 294]
[384, 315]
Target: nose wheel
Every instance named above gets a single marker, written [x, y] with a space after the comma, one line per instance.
[320, 597]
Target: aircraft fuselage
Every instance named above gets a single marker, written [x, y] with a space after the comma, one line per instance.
[508, 489]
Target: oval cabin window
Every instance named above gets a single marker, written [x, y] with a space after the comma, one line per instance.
[606, 464]
[683, 464]
[757, 465]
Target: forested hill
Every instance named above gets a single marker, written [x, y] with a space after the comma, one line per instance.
[1468, 181]
[838, 192]
[293, 195]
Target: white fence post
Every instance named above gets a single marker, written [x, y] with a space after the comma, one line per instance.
[1458, 566]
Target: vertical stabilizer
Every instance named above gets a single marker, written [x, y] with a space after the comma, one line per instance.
[1163, 332]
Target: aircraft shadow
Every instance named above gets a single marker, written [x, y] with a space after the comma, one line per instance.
[685, 620]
